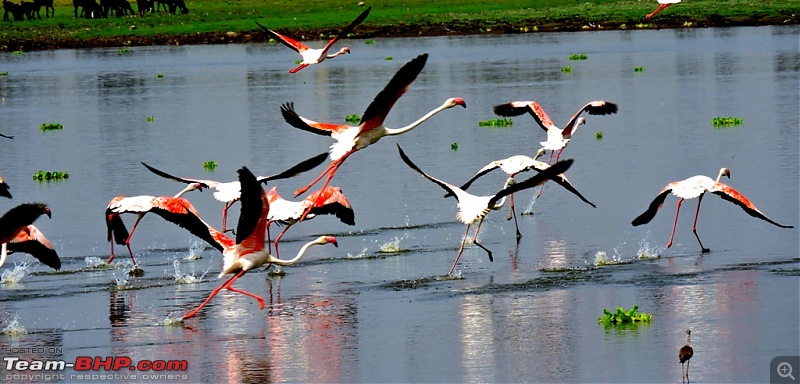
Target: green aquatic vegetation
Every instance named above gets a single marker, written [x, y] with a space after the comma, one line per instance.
[578, 56]
[355, 119]
[50, 175]
[638, 69]
[123, 51]
[3, 73]
[369, 41]
[566, 69]
[388, 58]
[622, 316]
[726, 121]
[150, 119]
[51, 127]
[17, 52]
[498, 123]
[209, 165]
[160, 76]
[454, 146]
[598, 135]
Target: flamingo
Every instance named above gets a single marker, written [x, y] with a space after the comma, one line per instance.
[661, 5]
[473, 209]
[4, 189]
[17, 234]
[228, 192]
[684, 354]
[316, 56]
[350, 139]
[520, 163]
[697, 186]
[171, 208]
[328, 201]
[247, 251]
[557, 138]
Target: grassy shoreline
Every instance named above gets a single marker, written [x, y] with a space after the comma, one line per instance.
[226, 21]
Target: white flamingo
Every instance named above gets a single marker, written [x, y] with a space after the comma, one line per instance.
[662, 4]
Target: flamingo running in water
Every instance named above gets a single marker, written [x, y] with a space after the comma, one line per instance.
[697, 186]
[557, 138]
[247, 251]
[329, 201]
[316, 56]
[228, 192]
[4, 189]
[350, 139]
[661, 5]
[17, 234]
[473, 209]
[517, 164]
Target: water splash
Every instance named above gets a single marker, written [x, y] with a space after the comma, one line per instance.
[393, 246]
[602, 258]
[647, 252]
[13, 328]
[173, 320]
[359, 255]
[14, 275]
[121, 280]
[94, 262]
[529, 209]
[181, 278]
[196, 251]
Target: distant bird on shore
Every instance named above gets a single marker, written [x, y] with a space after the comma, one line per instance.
[350, 139]
[697, 186]
[473, 209]
[4, 189]
[684, 355]
[662, 5]
[316, 56]
[17, 234]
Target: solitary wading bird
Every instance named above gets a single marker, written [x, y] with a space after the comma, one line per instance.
[684, 355]
[4, 189]
[474, 209]
[247, 251]
[661, 5]
[557, 138]
[228, 192]
[329, 201]
[17, 234]
[697, 186]
[316, 56]
[520, 163]
[350, 139]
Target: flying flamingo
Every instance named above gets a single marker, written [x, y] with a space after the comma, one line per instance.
[4, 189]
[474, 208]
[684, 355]
[697, 186]
[247, 251]
[661, 5]
[350, 139]
[520, 163]
[17, 234]
[316, 56]
[171, 208]
[557, 138]
[228, 192]
[328, 201]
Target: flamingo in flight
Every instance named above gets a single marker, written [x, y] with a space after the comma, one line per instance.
[350, 139]
[316, 56]
[514, 165]
[473, 209]
[328, 201]
[697, 186]
[228, 192]
[4, 189]
[18, 234]
[661, 5]
[171, 208]
[557, 138]
[247, 251]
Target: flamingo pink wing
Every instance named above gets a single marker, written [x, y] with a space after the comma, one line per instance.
[286, 40]
[516, 108]
[181, 212]
[331, 201]
[597, 107]
[377, 110]
[297, 121]
[347, 30]
[32, 241]
[732, 195]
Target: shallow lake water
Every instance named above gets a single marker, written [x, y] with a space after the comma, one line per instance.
[378, 308]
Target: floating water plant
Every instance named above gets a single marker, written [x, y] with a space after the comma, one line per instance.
[623, 316]
[209, 165]
[160, 76]
[638, 69]
[17, 52]
[355, 119]
[150, 119]
[598, 135]
[495, 123]
[726, 121]
[566, 69]
[454, 146]
[123, 51]
[388, 58]
[50, 175]
[3, 73]
[51, 127]
[578, 56]
[688, 24]
[369, 41]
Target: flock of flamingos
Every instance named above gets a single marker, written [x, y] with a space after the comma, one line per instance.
[251, 246]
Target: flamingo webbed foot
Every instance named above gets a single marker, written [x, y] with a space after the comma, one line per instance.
[705, 250]
[136, 272]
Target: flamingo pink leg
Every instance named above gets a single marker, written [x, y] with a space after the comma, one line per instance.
[298, 68]
[550, 160]
[226, 285]
[677, 210]
[694, 227]
[277, 239]
[475, 241]
[514, 215]
[559, 153]
[461, 249]
[225, 216]
[510, 207]
[127, 243]
[331, 170]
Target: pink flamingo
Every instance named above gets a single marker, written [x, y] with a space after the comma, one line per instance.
[316, 56]
[662, 4]
[473, 209]
[697, 186]
[17, 234]
[350, 139]
[247, 251]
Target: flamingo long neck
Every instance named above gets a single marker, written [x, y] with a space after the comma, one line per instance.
[341, 51]
[190, 187]
[300, 254]
[499, 204]
[721, 172]
[4, 254]
[397, 131]
[688, 341]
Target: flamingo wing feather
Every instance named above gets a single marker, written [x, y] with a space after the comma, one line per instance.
[303, 166]
[445, 185]
[550, 173]
[32, 241]
[360, 19]
[205, 183]
[297, 121]
[655, 205]
[732, 195]
[377, 110]
[181, 212]
[286, 40]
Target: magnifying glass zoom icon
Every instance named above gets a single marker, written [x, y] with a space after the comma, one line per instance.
[785, 370]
